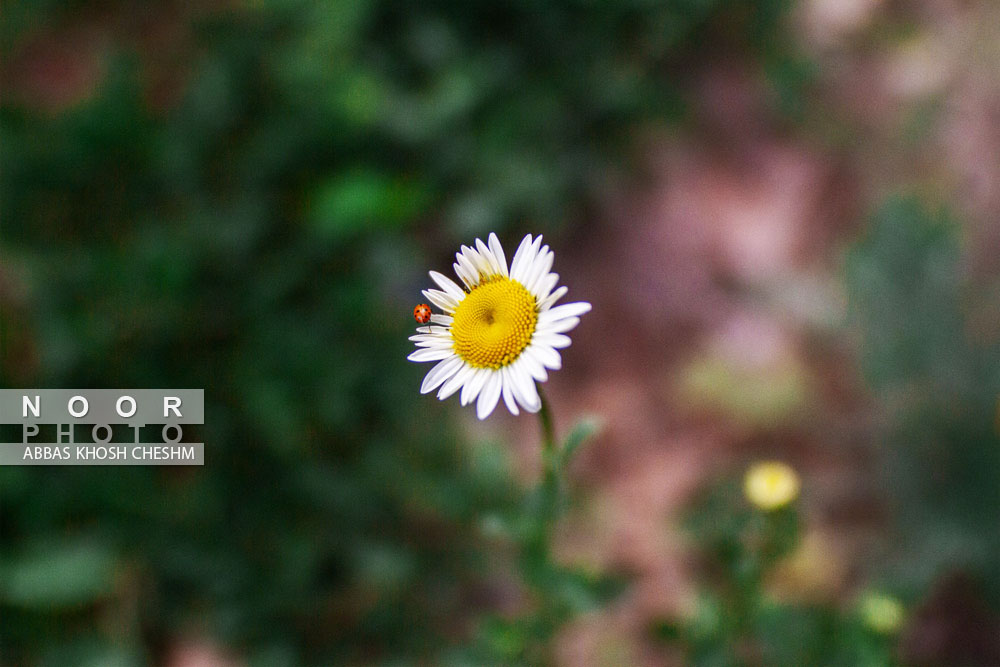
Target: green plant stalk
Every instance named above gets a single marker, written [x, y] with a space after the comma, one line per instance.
[549, 489]
[538, 568]
[549, 447]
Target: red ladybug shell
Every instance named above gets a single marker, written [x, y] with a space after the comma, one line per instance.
[422, 313]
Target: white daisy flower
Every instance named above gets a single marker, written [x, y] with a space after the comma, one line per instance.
[502, 332]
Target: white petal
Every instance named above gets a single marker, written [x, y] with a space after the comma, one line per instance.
[446, 320]
[440, 373]
[425, 337]
[471, 272]
[488, 256]
[435, 341]
[548, 356]
[442, 300]
[497, 249]
[525, 389]
[529, 262]
[441, 332]
[564, 311]
[460, 272]
[472, 388]
[550, 300]
[515, 385]
[540, 270]
[431, 354]
[545, 286]
[448, 285]
[559, 326]
[434, 345]
[529, 266]
[489, 396]
[531, 258]
[555, 340]
[507, 391]
[456, 381]
[471, 256]
[519, 257]
[477, 260]
[533, 364]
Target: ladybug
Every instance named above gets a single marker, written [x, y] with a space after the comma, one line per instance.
[422, 313]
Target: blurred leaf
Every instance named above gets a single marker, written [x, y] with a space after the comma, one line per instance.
[584, 429]
[903, 282]
[351, 203]
[584, 591]
[506, 639]
[937, 383]
[57, 575]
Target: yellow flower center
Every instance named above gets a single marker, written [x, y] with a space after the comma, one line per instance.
[494, 322]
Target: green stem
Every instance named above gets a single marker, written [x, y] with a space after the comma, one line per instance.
[541, 568]
[548, 441]
[548, 490]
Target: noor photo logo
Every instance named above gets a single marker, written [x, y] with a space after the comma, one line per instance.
[100, 426]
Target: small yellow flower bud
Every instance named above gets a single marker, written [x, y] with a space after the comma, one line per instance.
[771, 484]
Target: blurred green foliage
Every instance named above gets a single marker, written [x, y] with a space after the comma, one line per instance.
[931, 351]
[260, 230]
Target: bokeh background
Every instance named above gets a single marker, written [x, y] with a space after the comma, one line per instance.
[786, 215]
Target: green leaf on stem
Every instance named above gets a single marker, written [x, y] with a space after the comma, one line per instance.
[583, 430]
